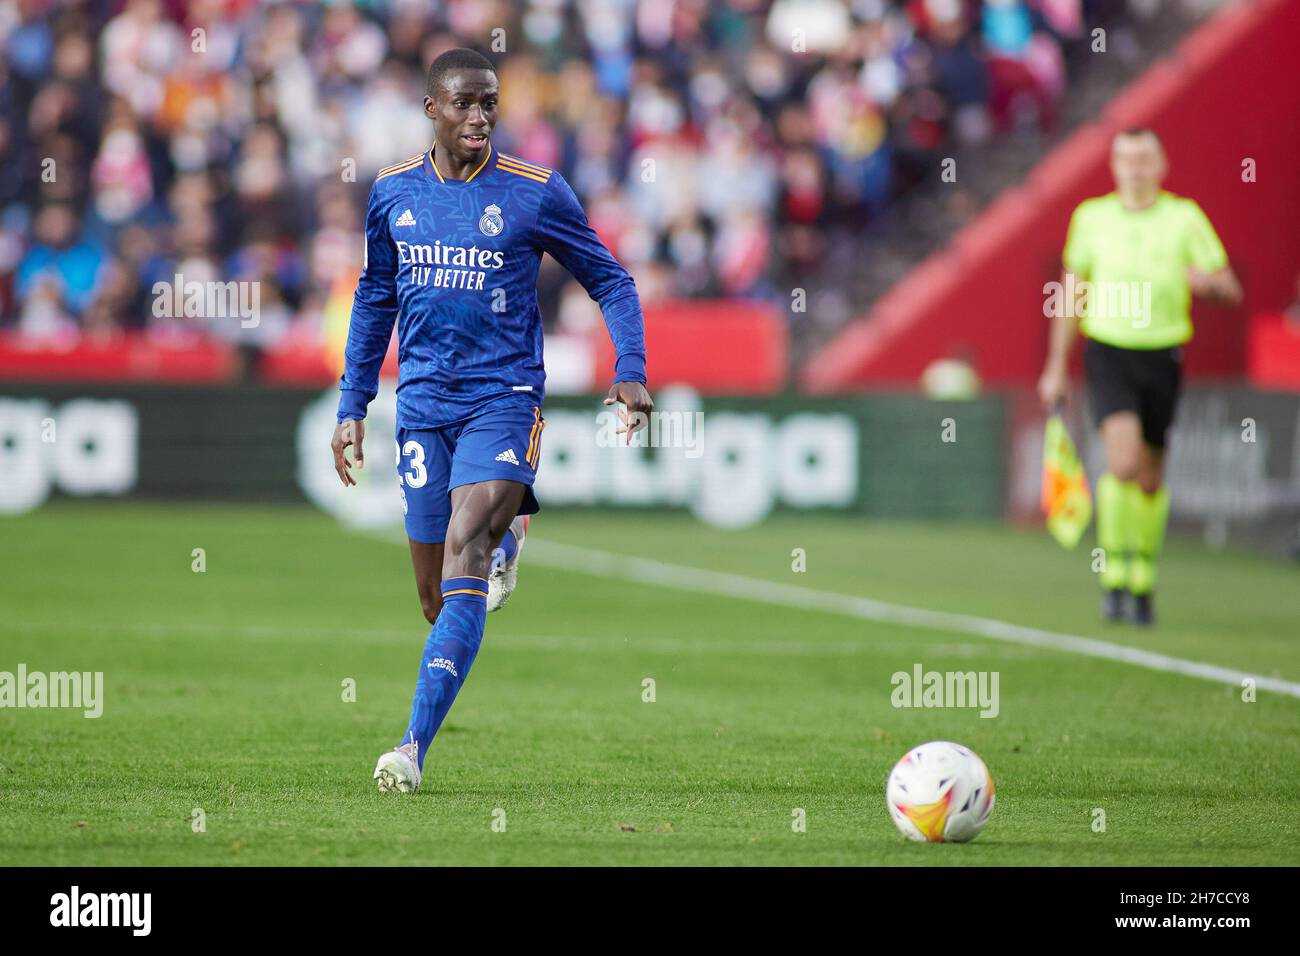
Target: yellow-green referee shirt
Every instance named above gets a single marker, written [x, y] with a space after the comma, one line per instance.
[1136, 265]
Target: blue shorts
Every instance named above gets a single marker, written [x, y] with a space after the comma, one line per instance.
[503, 441]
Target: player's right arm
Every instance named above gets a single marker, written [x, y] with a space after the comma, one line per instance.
[1054, 384]
[374, 310]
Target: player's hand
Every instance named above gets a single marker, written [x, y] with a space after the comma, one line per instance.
[345, 434]
[1054, 387]
[636, 399]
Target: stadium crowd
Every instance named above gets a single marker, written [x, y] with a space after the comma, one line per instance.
[719, 147]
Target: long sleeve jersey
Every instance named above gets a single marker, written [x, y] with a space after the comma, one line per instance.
[454, 263]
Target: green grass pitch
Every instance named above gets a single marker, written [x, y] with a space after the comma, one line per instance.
[224, 692]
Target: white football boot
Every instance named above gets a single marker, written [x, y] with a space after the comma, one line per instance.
[504, 574]
[399, 769]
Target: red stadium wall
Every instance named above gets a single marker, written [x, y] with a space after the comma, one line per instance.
[1229, 93]
[715, 346]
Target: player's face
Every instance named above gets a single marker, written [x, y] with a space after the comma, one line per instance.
[1137, 163]
[464, 112]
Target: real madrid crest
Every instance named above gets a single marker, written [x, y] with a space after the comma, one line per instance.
[491, 224]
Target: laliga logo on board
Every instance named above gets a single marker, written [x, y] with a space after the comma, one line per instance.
[82, 447]
[752, 462]
[492, 224]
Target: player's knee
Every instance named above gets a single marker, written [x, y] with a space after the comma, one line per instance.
[1125, 465]
[468, 545]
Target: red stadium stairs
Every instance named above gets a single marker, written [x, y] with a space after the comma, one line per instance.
[1226, 105]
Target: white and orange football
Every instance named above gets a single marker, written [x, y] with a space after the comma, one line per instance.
[940, 792]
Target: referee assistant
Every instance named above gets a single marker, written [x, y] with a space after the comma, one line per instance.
[1133, 259]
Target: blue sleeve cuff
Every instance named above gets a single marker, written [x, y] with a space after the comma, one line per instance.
[630, 367]
[352, 405]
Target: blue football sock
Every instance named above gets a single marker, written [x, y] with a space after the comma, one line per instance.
[505, 550]
[448, 654]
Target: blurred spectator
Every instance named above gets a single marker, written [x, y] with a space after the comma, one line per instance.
[716, 145]
[60, 272]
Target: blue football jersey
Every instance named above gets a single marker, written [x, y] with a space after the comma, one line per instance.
[454, 263]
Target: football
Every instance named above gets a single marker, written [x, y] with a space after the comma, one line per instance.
[940, 792]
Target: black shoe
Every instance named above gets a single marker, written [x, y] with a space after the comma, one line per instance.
[1144, 609]
[1112, 604]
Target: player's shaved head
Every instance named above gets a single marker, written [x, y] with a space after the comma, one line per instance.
[461, 58]
[462, 99]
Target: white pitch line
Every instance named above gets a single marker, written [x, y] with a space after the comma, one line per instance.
[566, 644]
[606, 564]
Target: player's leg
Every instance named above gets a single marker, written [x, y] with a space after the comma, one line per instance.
[426, 559]
[503, 575]
[493, 467]
[424, 458]
[423, 474]
[1113, 396]
[1150, 515]
[1149, 507]
[481, 513]
[504, 572]
[1121, 439]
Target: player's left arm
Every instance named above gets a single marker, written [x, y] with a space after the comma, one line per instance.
[1210, 274]
[565, 233]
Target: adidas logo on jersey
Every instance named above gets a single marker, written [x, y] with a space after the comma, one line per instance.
[508, 455]
[405, 219]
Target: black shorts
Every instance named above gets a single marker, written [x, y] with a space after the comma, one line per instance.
[1146, 381]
